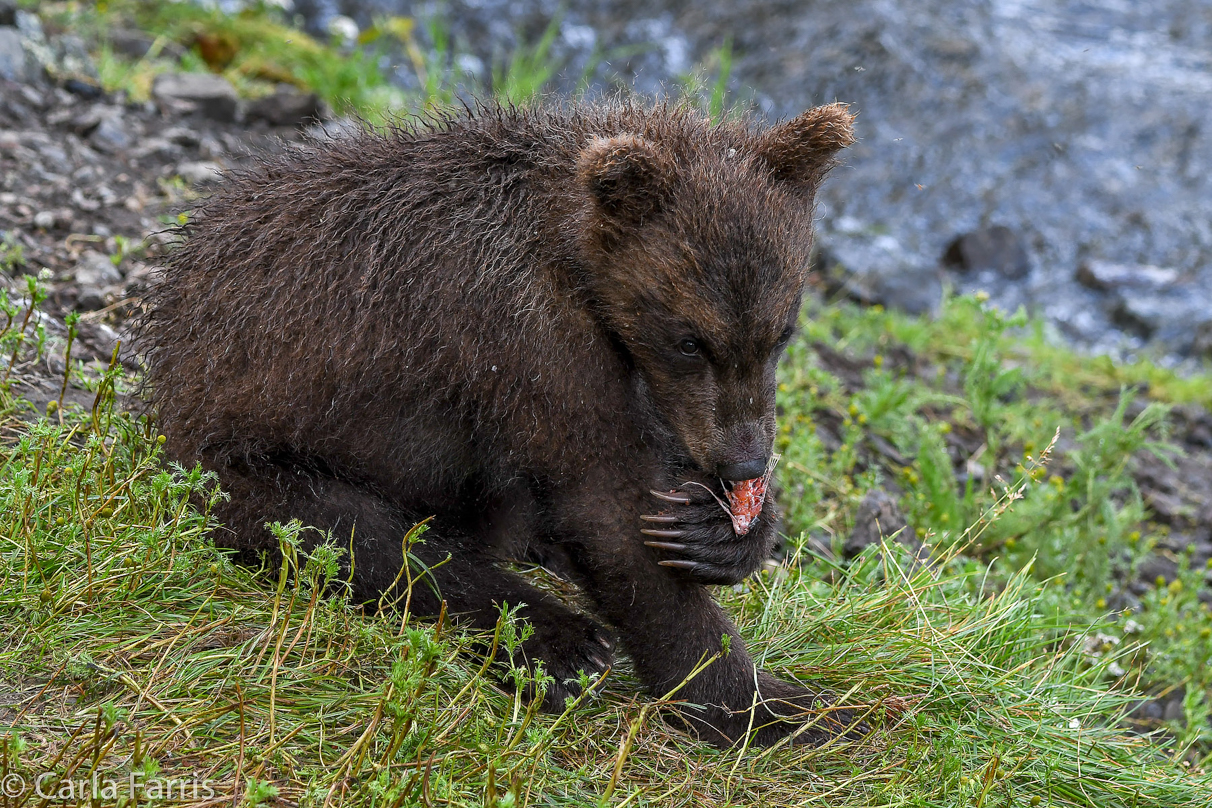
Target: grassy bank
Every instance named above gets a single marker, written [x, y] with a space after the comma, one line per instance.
[992, 673]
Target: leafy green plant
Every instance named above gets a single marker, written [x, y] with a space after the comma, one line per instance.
[529, 69]
[12, 253]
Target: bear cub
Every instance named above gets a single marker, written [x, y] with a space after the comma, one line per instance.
[553, 331]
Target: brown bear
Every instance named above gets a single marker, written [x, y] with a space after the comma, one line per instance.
[554, 331]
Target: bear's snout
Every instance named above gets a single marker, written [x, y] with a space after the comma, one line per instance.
[746, 454]
[746, 470]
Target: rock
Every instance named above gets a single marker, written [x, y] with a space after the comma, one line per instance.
[155, 147]
[211, 96]
[104, 126]
[209, 146]
[1148, 710]
[15, 112]
[95, 269]
[286, 106]
[200, 173]
[137, 45]
[1154, 567]
[32, 97]
[73, 62]
[89, 298]
[1202, 344]
[84, 89]
[131, 43]
[85, 122]
[29, 25]
[1173, 710]
[8, 12]
[1154, 303]
[878, 517]
[81, 202]
[50, 219]
[12, 55]
[100, 338]
[876, 269]
[332, 130]
[181, 136]
[110, 135]
[1105, 276]
[53, 154]
[1146, 314]
[994, 248]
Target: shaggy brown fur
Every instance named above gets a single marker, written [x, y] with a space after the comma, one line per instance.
[519, 323]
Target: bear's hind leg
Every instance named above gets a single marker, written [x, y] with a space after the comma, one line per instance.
[451, 563]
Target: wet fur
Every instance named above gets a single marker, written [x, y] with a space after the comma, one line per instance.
[471, 319]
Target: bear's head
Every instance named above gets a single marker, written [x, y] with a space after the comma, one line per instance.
[696, 243]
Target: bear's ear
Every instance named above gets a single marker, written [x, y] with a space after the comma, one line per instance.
[627, 176]
[801, 151]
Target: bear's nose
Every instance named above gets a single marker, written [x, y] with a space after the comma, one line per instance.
[745, 470]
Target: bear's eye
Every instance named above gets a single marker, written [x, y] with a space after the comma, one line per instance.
[688, 347]
[785, 337]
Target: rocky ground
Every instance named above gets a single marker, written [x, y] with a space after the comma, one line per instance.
[91, 184]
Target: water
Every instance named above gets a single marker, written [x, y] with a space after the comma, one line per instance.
[1084, 127]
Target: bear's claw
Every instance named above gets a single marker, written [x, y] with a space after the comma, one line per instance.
[666, 545]
[711, 550]
[660, 518]
[663, 534]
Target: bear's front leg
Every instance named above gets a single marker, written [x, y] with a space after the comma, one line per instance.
[670, 624]
[695, 534]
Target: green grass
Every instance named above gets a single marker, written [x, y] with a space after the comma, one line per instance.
[131, 645]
